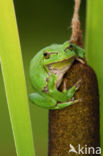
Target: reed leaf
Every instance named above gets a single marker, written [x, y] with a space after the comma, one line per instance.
[94, 48]
[14, 80]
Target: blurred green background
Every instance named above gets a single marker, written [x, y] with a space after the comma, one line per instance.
[40, 23]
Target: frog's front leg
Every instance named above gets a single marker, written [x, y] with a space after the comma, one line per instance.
[52, 90]
[61, 96]
[42, 100]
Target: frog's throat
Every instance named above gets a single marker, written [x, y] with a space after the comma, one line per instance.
[59, 69]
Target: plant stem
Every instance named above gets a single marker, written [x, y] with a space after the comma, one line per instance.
[76, 36]
[13, 74]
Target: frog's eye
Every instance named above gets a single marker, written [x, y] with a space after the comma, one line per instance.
[70, 47]
[46, 55]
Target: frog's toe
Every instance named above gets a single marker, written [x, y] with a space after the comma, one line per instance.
[77, 84]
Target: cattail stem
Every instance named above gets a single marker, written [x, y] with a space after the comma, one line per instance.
[76, 36]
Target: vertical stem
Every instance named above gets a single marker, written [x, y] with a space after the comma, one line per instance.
[94, 47]
[13, 73]
[76, 36]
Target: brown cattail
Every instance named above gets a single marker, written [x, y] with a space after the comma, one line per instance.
[77, 124]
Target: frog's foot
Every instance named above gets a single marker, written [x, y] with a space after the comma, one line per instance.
[75, 101]
[81, 60]
[72, 90]
[64, 85]
[72, 99]
[70, 93]
[77, 84]
[65, 104]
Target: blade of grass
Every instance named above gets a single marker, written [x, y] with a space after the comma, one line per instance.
[12, 68]
[94, 47]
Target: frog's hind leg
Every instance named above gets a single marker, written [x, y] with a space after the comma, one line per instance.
[65, 104]
[42, 100]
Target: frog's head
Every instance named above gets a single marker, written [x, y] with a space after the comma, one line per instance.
[59, 58]
[61, 53]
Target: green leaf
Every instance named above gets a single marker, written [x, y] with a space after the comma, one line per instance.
[94, 47]
[14, 80]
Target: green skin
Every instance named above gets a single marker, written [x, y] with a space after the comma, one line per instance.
[47, 69]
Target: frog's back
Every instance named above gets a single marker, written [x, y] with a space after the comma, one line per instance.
[37, 73]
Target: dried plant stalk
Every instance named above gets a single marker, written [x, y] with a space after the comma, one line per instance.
[76, 36]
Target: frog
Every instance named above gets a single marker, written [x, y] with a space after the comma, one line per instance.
[47, 70]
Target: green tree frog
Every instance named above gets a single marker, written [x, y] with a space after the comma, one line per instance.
[47, 69]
